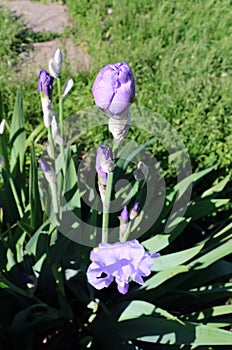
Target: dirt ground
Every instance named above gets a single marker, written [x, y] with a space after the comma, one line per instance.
[48, 17]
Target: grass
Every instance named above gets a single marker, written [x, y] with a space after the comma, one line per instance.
[180, 54]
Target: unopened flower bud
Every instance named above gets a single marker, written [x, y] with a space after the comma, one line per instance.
[58, 58]
[55, 64]
[104, 162]
[141, 173]
[134, 211]
[104, 165]
[45, 87]
[48, 171]
[2, 126]
[107, 165]
[67, 87]
[114, 88]
[124, 219]
[45, 82]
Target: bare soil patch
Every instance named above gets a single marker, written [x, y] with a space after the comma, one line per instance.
[75, 57]
[39, 17]
[46, 17]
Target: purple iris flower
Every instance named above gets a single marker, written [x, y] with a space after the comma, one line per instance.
[114, 88]
[45, 82]
[121, 261]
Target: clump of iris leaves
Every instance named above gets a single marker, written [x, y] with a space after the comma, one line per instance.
[185, 302]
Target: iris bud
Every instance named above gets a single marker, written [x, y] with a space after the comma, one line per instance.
[114, 88]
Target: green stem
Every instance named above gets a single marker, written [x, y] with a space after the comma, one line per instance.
[106, 208]
[114, 150]
[126, 234]
[61, 117]
[51, 144]
[54, 198]
[53, 186]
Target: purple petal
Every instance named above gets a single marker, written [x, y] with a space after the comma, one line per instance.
[134, 211]
[121, 99]
[44, 166]
[45, 82]
[99, 77]
[94, 275]
[98, 157]
[105, 89]
[121, 261]
[154, 255]
[144, 268]
[138, 279]
[124, 215]
[122, 287]
[136, 207]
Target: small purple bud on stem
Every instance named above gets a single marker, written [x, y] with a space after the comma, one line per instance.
[45, 82]
[134, 211]
[44, 166]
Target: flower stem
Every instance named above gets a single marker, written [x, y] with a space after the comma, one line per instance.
[61, 117]
[53, 186]
[114, 150]
[51, 144]
[125, 236]
[106, 208]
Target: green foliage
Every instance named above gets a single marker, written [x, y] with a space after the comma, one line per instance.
[42, 272]
[45, 298]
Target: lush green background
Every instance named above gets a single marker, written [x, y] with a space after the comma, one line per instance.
[180, 53]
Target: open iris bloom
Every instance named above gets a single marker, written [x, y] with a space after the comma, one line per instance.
[122, 262]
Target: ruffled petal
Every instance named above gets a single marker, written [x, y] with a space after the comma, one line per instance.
[97, 277]
[121, 261]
